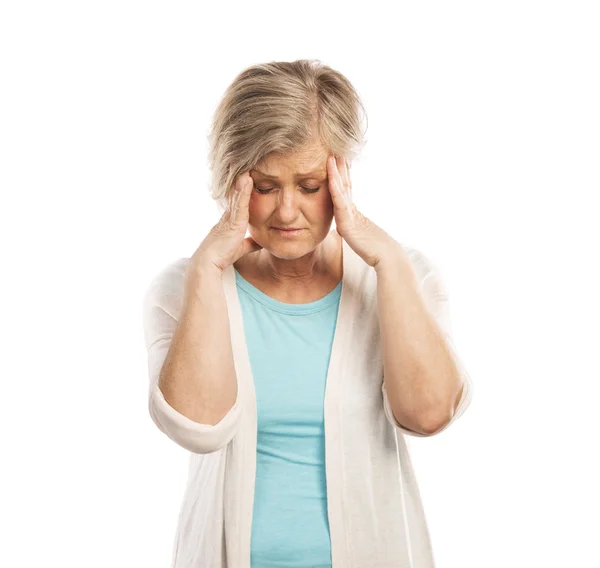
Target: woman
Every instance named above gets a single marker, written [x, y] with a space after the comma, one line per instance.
[291, 363]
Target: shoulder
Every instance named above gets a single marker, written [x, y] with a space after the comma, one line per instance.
[423, 265]
[165, 288]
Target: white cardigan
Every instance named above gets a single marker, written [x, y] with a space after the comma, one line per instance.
[375, 512]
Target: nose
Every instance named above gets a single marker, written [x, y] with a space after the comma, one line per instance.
[287, 206]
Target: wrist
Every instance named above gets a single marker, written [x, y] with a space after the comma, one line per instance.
[393, 258]
[202, 275]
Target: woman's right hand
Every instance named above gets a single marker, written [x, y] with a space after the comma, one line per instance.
[227, 241]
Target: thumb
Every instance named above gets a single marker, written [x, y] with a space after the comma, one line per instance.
[250, 245]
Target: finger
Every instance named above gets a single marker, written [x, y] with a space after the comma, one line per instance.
[241, 199]
[231, 201]
[346, 183]
[344, 174]
[335, 185]
[347, 178]
[250, 245]
[245, 194]
[339, 163]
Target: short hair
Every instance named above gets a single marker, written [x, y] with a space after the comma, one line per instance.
[278, 107]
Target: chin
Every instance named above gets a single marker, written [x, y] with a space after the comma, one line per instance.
[288, 248]
[289, 251]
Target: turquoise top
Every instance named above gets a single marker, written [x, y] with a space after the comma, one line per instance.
[289, 346]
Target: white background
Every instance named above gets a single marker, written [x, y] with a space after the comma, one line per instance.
[483, 152]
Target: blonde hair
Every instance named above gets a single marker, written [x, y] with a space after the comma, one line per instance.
[278, 107]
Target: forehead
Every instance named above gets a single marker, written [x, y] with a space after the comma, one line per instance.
[310, 159]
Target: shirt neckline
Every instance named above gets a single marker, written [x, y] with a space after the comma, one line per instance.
[284, 307]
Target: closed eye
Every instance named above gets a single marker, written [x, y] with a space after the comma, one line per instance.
[264, 191]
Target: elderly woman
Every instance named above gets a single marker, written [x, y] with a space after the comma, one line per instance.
[292, 362]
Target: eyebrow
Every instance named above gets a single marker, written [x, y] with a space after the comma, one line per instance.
[298, 175]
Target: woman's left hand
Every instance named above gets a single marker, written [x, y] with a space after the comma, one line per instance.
[367, 239]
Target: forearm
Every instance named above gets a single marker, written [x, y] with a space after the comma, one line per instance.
[421, 379]
[198, 376]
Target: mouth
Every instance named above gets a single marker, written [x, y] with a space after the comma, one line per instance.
[288, 232]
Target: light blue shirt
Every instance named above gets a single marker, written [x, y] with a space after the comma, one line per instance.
[289, 346]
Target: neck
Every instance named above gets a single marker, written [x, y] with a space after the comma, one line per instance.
[297, 272]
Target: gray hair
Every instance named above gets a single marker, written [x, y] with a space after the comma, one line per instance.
[278, 107]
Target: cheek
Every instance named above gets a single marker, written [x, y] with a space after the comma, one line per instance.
[321, 211]
[327, 202]
[257, 210]
[253, 207]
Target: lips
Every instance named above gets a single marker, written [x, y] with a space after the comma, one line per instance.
[288, 233]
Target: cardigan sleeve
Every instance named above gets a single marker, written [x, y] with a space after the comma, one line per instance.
[161, 308]
[436, 299]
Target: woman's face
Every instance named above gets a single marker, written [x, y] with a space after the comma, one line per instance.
[291, 192]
